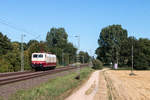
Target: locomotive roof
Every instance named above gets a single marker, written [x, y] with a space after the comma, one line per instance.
[42, 53]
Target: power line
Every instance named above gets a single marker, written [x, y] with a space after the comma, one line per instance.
[16, 28]
[9, 34]
[13, 27]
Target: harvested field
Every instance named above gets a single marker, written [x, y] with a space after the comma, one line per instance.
[121, 86]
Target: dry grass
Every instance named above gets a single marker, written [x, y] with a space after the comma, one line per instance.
[121, 86]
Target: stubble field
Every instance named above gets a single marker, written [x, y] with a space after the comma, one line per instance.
[121, 86]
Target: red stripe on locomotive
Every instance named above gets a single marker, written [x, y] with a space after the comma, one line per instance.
[44, 63]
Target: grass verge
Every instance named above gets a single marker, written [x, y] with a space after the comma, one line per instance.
[54, 89]
[1, 98]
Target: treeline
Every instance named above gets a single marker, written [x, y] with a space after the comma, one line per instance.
[56, 42]
[116, 47]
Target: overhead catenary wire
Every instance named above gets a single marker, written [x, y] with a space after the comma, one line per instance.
[9, 34]
[4, 22]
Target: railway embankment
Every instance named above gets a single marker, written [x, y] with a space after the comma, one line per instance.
[55, 88]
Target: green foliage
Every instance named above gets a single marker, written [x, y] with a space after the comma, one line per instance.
[142, 54]
[5, 44]
[84, 57]
[14, 60]
[11, 60]
[27, 60]
[109, 41]
[97, 64]
[125, 53]
[57, 38]
[115, 46]
[57, 42]
[32, 42]
[5, 66]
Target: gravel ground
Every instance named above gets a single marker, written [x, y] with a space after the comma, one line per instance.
[7, 90]
[102, 93]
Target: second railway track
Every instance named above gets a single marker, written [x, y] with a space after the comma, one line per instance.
[20, 76]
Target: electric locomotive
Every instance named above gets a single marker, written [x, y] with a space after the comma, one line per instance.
[42, 61]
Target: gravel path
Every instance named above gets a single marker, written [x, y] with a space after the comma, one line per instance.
[102, 93]
[7, 90]
[88, 90]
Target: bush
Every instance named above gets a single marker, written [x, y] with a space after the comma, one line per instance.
[97, 64]
[5, 66]
[141, 64]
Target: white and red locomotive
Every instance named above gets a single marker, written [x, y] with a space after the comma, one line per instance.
[43, 61]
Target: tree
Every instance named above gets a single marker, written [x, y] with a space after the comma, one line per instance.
[5, 44]
[84, 57]
[110, 40]
[31, 42]
[34, 47]
[142, 54]
[5, 66]
[126, 51]
[70, 50]
[56, 38]
[97, 64]
[57, 42]
[13, 57]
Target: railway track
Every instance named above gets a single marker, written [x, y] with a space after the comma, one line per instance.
[14, 73]
[20, 76]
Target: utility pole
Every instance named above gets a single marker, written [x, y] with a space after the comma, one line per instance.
[91, 64]
[132, 60]
[83, 59]
[62, 59]
[22, 53]
[77, 58]
[132, 54]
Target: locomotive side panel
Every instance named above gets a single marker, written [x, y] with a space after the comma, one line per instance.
[43, 60]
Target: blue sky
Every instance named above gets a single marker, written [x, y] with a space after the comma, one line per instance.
[79, 17]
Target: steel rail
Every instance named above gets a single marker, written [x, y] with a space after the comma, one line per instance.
[22, 77]
[14, 73]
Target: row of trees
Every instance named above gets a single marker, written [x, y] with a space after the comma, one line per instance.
[56, 42]
[115, 47]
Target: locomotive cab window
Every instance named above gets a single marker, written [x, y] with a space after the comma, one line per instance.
[35, 56]
[40, 56]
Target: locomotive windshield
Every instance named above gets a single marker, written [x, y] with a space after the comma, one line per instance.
[35, 56]
[38, 56]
